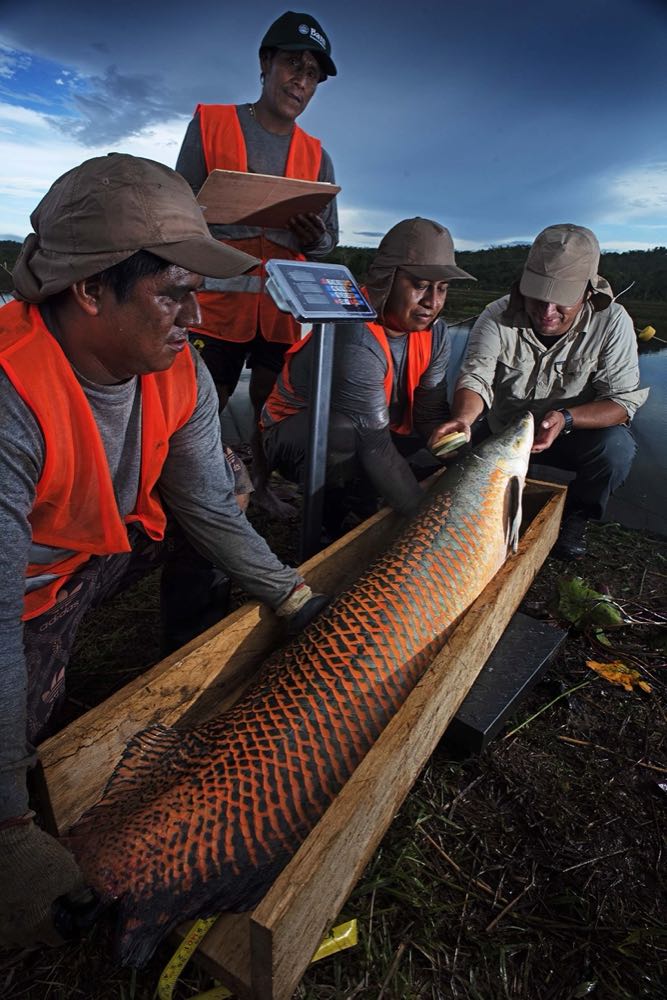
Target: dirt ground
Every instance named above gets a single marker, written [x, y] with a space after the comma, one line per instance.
[533, 871]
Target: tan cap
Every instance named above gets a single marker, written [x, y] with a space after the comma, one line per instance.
[105, 210]
[562, 263]
[421, 247]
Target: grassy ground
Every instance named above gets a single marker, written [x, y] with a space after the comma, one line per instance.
[532, 871]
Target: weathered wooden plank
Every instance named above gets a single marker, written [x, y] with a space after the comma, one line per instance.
[303, 903]
[229, 937]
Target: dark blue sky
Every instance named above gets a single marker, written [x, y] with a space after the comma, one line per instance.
[495, 118]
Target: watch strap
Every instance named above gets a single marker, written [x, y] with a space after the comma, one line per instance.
[569, 421]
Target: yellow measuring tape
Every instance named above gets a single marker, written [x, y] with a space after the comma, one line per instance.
[338, 939]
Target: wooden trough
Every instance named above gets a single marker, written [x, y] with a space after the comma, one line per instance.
[263, 954]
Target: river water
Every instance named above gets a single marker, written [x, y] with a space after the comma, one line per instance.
[642, 500]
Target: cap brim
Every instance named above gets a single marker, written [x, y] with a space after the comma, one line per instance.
[557, 290]
[326, 62]
[204, 255]
[437, 272]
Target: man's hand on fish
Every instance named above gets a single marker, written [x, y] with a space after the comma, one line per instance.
[548, 429]
[35, 870]
[300, 608]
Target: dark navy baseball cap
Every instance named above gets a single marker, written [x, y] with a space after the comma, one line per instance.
[296, 32]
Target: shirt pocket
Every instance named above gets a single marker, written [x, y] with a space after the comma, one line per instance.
[511, 380]
[572, 376]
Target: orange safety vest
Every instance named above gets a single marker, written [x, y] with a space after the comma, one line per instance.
[283, 401]
[75, 506]
[238, 307]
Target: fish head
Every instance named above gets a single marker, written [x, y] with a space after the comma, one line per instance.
[509, 453]
[509, 450]
[514, 444]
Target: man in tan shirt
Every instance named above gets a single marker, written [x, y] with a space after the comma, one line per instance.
[559, 346]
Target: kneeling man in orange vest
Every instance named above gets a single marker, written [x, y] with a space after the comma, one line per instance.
[110, 458]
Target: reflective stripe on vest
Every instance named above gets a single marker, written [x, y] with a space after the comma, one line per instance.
[244, 283]
[236, 314]
[75, 506]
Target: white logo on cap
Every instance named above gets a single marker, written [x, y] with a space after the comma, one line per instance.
[304, 29]
[315, 35]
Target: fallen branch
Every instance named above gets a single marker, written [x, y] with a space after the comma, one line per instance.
[600, 857]
[480, 885]
[512, 903]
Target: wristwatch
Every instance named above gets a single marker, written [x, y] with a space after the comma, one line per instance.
[569, 421]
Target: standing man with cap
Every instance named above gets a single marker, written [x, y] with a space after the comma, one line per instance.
[389, 382]
[239, 322]
[109, 429]
[559, 346]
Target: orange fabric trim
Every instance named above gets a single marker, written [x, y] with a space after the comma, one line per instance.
[276, 405]
[75, 506]
[222, 138]
[224, 146]
[420, 348]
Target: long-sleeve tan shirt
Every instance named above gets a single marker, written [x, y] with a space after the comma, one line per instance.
[513, 371]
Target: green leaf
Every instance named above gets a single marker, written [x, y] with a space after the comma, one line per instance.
[583, 607]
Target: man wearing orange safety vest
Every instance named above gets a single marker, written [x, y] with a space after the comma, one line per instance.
[111, 462]
[239, 322]
[389, 382]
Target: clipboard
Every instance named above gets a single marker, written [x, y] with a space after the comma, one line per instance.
[231, 197]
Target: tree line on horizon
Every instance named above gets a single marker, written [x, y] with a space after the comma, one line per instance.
[495, 268]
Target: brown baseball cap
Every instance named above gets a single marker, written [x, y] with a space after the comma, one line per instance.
[562, 263]
[105, 210]
[421, 247]
[297, 32]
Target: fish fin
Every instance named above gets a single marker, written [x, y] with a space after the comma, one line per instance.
[137, 771]
[141, 756]
[515, 513]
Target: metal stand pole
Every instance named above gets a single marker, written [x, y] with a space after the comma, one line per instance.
[316, 452]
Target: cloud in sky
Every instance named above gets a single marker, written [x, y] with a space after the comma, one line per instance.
[498, 121]
[116, 105]
[641, 193]
[24, 177]
[11, 62]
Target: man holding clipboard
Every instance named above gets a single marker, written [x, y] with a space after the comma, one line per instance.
[239, 322]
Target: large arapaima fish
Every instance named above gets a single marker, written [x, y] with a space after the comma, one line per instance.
[195, 823]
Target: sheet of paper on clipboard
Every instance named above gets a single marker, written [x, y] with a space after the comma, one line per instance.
[231, 197]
